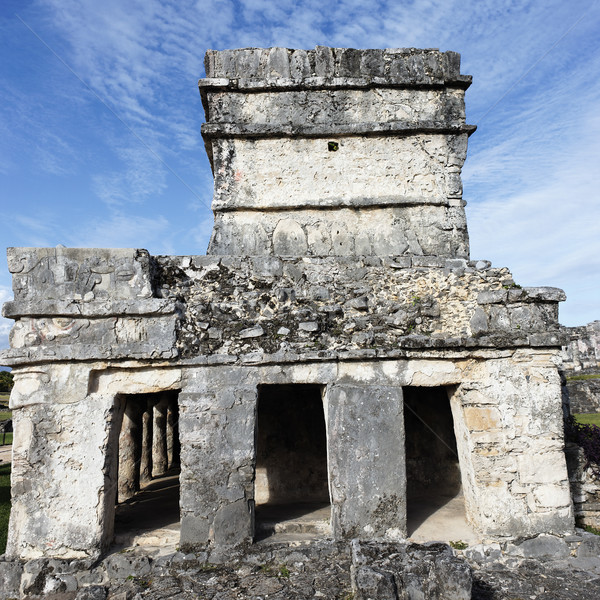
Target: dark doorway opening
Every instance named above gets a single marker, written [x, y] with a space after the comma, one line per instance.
[291, 484]
[145, 469]
[433, 478]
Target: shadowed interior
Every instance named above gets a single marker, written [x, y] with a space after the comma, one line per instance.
[432, 467]
[291, 452]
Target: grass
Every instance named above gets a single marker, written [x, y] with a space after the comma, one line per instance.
[7, 439]
[5, 414]
[591, 529]
[583, 377]
[588, 418]
[4, 504]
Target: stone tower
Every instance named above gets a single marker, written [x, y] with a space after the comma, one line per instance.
[336, 152]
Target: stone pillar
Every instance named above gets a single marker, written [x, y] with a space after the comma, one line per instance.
[147, 440]
[130, 450]
[58, 470]
[176, 442]
[171, 418]
[367, 465]
[159, 438]
[217, 462]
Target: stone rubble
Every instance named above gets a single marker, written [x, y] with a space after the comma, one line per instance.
[547, 567]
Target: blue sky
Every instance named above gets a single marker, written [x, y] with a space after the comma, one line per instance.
[100, 121]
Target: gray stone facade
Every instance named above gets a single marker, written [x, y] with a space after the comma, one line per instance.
[339, 261]
[581, 368]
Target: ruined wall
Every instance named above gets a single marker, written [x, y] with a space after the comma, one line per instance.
[584, 487]
[288, 308]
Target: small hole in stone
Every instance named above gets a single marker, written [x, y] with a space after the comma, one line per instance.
[333, 146]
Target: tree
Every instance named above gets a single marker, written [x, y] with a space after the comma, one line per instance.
[6, 381]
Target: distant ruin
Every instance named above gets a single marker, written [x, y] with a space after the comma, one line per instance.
[336, 346]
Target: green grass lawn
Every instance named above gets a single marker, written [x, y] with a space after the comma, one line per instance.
[4, 504]
[7, 439]
[583, 377]
[5, 414]
[588, 418]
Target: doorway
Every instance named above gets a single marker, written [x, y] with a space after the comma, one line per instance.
[144, 466]
[435, 504]
[291, 479]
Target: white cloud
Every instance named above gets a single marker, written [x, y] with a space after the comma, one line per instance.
[121, 230]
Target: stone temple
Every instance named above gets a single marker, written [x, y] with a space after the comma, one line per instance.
[336, 347]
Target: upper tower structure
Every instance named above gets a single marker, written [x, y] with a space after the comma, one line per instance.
[336, 151]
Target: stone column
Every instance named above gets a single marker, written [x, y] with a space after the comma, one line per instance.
[147, 440]
[159, 438]
[367, 464]
[173, 446]
[130, 450]
[171, 418]
[217, 462]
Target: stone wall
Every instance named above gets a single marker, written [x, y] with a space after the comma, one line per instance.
[581, 367]
[506, 409]
[283, 308]
[584, 487]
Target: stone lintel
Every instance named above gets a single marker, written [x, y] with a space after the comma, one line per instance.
[71, 308]
[257, 204]
[269, 130]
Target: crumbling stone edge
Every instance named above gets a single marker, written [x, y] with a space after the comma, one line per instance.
[375, 567]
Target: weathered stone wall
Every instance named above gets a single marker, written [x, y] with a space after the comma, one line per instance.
[286, 308]
[582, 352]
[585, 487]
[581, 367]
[64, 484]
[504, 406]
[324, 134]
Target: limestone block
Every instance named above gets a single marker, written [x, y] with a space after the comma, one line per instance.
[289, 238]
[482, 418]
[140, 380]
[367, 471]
[552, 496]
[85, 274]
[542, 546]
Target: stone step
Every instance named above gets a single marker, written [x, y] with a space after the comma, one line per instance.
[294, 519]
[317, 527]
